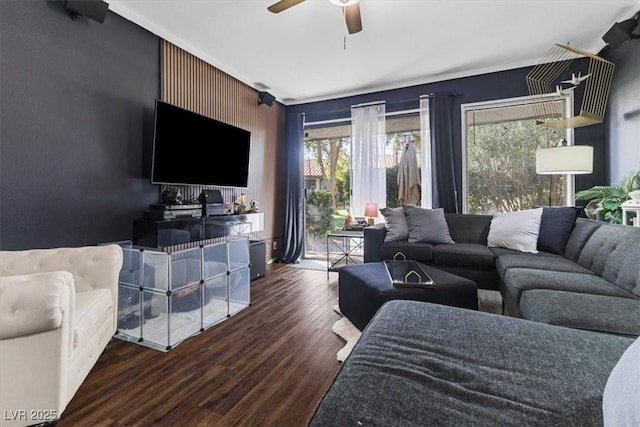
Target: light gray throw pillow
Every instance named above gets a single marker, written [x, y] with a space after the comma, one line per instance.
[516, 230]
[621, 398]
[396, 223]
[427, 225]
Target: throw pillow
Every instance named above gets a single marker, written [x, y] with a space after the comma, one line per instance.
[427, 225]
[396, 222]
[622, 391]
[516, 230]
[555, 227]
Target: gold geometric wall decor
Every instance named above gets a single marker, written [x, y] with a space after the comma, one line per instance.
[545, 78]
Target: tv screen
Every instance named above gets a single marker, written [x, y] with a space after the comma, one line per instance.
[192, 149]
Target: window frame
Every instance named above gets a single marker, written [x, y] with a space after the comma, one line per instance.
[509, 102]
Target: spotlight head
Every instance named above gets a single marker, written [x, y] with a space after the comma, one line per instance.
[620, 32]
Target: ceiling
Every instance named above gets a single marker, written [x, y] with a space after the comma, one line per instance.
[304, 54]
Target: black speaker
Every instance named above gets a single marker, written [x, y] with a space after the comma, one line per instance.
[620, 32]
[266, 98]
[208, 197]
[92, 9]
[257, 262]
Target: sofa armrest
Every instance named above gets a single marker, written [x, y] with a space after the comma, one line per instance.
[373, 239]
[92, 267]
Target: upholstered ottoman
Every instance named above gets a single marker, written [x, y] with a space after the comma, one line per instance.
[363, 288]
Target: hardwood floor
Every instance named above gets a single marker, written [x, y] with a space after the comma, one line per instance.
[268, 365]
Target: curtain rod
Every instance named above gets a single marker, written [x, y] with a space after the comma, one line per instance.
[348, 119]
[368, 104]
[430, 95]
[359, 105]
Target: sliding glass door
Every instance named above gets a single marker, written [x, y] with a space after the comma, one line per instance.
[327, 174]
[326, 183]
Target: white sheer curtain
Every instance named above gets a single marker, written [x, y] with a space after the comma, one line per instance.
[425, 137]
[368, 172]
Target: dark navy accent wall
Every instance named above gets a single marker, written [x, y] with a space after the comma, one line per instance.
[625, 77]
[499, 85]
[76, 124]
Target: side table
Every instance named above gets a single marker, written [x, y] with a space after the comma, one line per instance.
[344, 248]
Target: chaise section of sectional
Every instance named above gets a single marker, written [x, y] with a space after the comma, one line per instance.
[518, 280]
[602, 313]
[420, 364]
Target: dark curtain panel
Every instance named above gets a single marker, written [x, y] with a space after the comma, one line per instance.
[444, 181]
[294, 215]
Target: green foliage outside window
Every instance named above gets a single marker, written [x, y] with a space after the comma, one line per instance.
[501, 167]
[392, 187]
[319, 212]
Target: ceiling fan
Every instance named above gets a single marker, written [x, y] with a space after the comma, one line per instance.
[350, 8]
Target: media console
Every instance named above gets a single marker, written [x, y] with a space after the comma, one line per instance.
[183, 230]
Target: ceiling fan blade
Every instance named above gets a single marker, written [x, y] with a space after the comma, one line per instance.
[352, 17]
[283, 5]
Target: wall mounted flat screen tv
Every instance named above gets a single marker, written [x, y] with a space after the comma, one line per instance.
[192, 149]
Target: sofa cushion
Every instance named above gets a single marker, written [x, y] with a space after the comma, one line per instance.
[504, 251]
[91, 308]
[422, 364]
[555, 228]
[517, 280]
[613, 252]
[622, 391]
[466, 228]
[396, 223]
[469, 255]
[600, 313]
[538, 261]
[516, 230]
[422, 252]
[427, 225]
[582, 231]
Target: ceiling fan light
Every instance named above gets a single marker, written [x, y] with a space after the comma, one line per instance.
[343, 3]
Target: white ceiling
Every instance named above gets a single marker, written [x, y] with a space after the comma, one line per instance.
[304, 54]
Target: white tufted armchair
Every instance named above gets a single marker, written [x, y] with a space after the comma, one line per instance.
[58, 311]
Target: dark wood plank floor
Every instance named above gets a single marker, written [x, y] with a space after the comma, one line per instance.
[268, 365]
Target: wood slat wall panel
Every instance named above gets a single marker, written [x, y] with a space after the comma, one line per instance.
[191, 83]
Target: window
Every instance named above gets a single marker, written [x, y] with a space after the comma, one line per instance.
[500, 139]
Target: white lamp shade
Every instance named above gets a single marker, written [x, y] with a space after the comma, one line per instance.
[567, 160]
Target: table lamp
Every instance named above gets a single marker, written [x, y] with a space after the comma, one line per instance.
[371, 211]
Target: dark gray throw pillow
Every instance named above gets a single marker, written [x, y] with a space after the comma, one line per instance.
[396, 223]
[555, 227]
[427, 225]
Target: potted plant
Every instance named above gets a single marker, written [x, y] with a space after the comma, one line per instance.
[609, 198]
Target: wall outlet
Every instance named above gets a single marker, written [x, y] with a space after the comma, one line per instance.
[274, 245]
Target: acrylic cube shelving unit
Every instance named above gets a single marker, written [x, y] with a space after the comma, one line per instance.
[167, 297]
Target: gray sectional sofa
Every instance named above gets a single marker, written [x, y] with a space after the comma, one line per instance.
[576, 364]
[590, 280]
